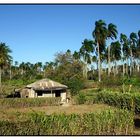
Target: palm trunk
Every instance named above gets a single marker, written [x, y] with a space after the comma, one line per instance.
[127, 66]
[101, 69]
[114, 70]
[99, 64]
[109, 61]
[123, 63]
[138, 67]
[123, 68]
[86, 70]
[131, 63]
[10, 74]
[115, 67]
[22, 71]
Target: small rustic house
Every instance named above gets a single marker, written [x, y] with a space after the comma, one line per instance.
[44, 88]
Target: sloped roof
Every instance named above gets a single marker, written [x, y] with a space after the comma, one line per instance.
[46, 84]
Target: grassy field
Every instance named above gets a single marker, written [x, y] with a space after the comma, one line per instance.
[14, 114]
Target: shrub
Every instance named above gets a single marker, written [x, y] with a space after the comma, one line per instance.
[81, 98]
[130, 101]
[75, 85]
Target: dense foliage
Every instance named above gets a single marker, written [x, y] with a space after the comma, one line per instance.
[130, 101]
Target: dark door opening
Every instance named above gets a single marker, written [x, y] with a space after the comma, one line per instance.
[39, 93]
[57, 93]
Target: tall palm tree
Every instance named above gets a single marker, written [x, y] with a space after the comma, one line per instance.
[112, 34]
[133, 42]
[5, 58]
[126, 53]
[123, 40]
[100, 35]
[10, 69]
[85, 52]
[94, 60]
[115, 53]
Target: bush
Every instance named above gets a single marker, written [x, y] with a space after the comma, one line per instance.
[130, 101]
[81, 98]
[75, 85]
[107, 122]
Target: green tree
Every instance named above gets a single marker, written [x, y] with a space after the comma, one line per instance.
[112, 34]
[76, 55]
[126, 53]
[115, 54]
[5, 58]
[100, 35]
[85, 52]
[123, 40]
[22, 68]
[68, 71]
[133, 42]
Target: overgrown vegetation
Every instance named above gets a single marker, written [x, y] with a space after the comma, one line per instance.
[103, 123]
[130, 101]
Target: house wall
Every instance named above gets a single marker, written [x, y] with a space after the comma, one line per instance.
[32, 93]
[63, 96]
[47, 95]
[24, 93]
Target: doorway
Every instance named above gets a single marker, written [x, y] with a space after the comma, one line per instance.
[57, 93]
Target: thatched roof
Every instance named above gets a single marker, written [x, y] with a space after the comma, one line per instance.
[46, 84]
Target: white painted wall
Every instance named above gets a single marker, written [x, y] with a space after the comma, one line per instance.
[63, 96]
[32, 93]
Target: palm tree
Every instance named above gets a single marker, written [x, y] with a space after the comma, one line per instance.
[76, 55]
[100, 35]
[115, 53]
[10, 68]
[22, 68]
[123, 40]
[133, 42]
[112, 34]
[85, 52]
[5, 58]
[94, 60]
[126, 53]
